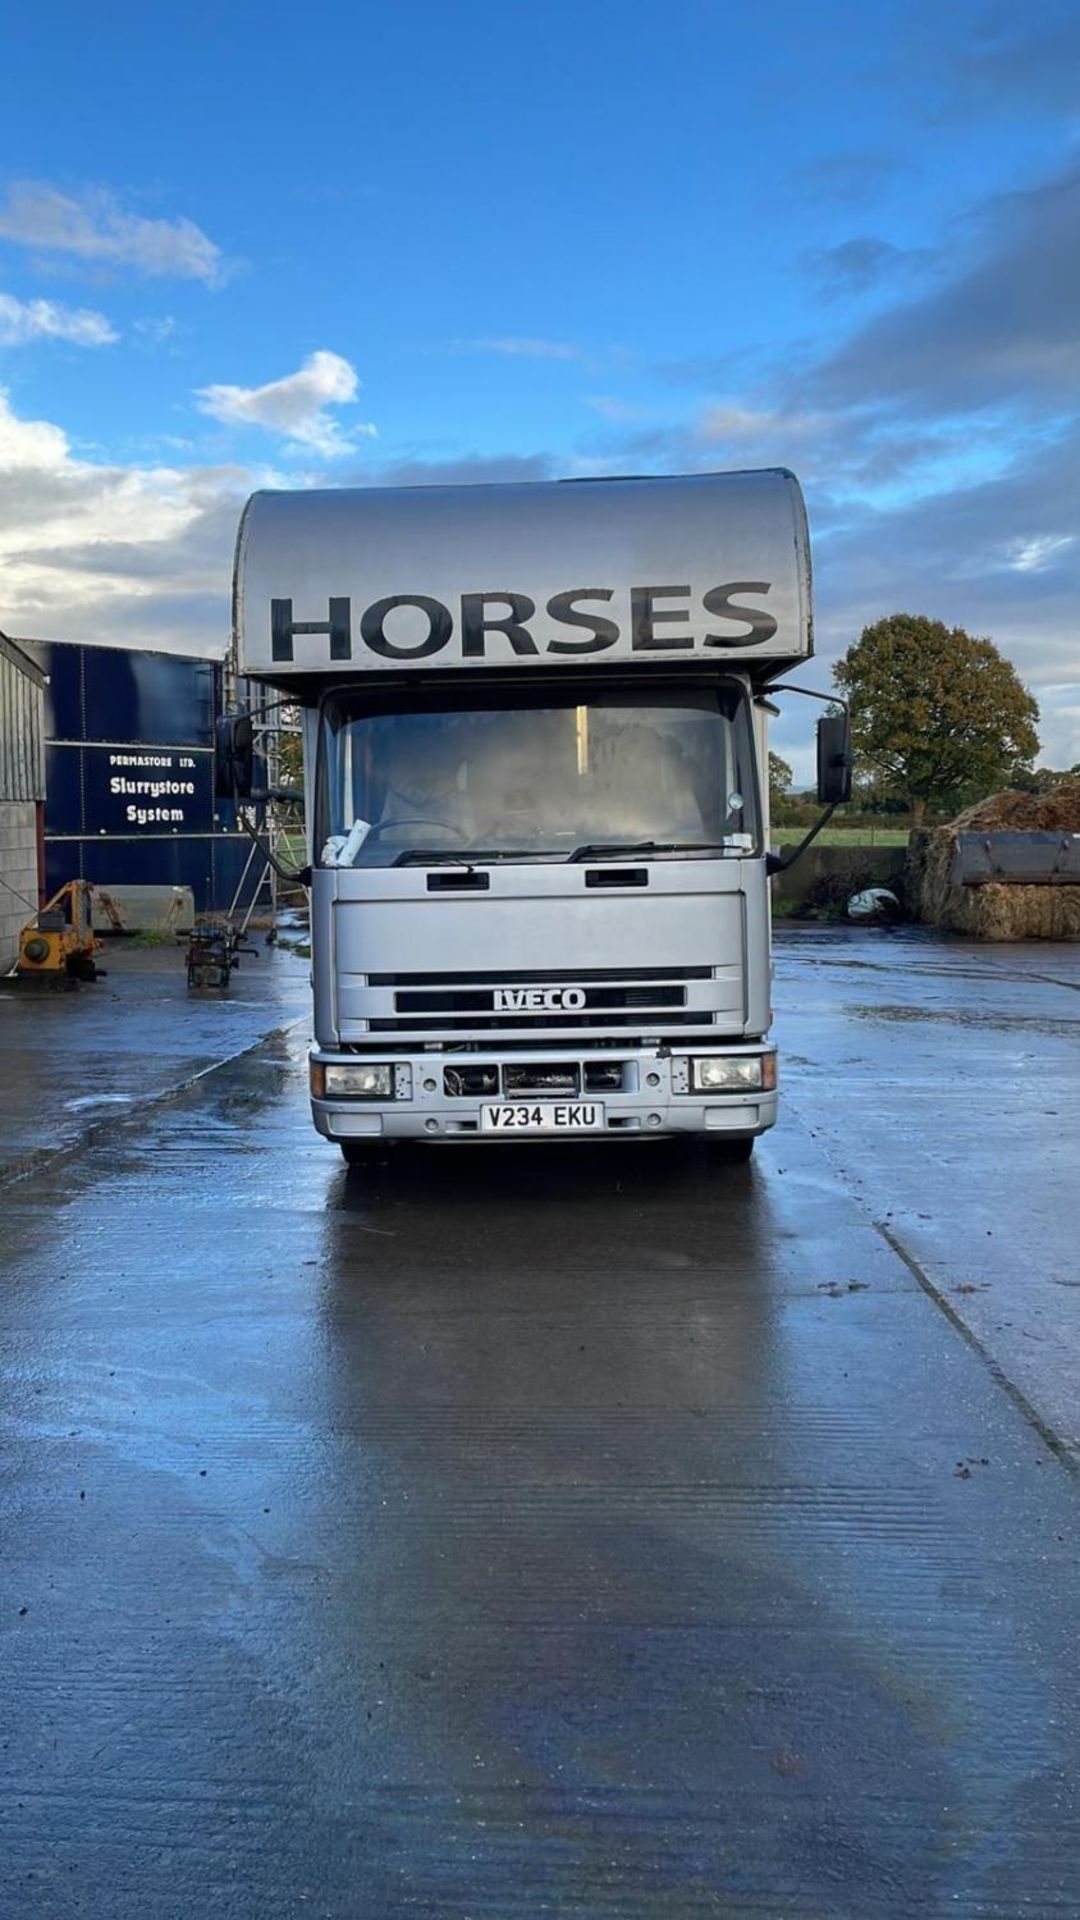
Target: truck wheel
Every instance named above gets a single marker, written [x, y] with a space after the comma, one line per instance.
[733, 1152]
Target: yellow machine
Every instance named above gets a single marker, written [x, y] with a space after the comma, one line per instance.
[58, 945]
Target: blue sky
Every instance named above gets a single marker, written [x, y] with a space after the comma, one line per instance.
[356, 244]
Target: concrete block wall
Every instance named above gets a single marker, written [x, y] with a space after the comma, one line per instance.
[18, 873]
[827, 875]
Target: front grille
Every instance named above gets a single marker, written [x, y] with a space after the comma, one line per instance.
[531, 1001]
[537, 1022]
[535, 1078]
[547, 1078]
[634, 1002]
[604, 1076]
[470, 1083]
[484, 1000]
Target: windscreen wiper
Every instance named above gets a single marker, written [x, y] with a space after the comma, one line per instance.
[596, 850]
[430, 857]
[436, 856]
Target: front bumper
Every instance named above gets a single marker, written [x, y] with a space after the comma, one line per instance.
[648, 1104]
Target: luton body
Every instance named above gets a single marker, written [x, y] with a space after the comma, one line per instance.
[536, 792]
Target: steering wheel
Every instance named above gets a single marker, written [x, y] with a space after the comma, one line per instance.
[446, 826]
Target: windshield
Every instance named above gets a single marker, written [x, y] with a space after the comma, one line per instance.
[537, 781]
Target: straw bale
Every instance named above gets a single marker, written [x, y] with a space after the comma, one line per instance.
[1013, 812]
[996, 911]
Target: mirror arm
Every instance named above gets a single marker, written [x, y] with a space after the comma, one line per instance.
[777, 863]
[263, 847]
[808, 693]
[780, 862]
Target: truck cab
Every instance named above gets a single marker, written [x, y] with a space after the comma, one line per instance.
[536, 776]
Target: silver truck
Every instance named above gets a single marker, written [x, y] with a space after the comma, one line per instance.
[536, 782]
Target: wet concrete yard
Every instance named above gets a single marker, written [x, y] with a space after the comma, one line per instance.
[582, 1533]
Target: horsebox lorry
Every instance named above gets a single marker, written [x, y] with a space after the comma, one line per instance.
[536, 785]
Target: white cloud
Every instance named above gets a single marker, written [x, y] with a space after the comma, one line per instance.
[296, 406]
[96, 228]
[1032, 556]
[110, 553]
[29, 445]
[24, 320]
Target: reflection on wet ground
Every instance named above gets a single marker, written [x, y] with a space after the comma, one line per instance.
[948, 1099]
[966, 1017]
[499, 1533]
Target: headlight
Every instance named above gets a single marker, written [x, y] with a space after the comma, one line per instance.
[738, 1073]
[358, 1079]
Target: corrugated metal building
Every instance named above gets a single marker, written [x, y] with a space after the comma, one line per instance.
[22, 792]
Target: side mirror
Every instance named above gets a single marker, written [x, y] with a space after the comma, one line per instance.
[234, 757]
[834, 759]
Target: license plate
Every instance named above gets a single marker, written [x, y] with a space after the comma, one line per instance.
[543, 1116]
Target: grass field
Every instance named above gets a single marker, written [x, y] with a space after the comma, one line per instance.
[843, 836]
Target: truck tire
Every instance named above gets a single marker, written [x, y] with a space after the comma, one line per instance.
[734, 1152]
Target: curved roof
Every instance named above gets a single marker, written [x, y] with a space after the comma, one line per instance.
[543, 574]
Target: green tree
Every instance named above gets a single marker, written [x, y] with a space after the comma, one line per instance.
[941, 716]
[780, 778]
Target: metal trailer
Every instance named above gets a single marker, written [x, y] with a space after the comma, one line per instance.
[537, 794]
